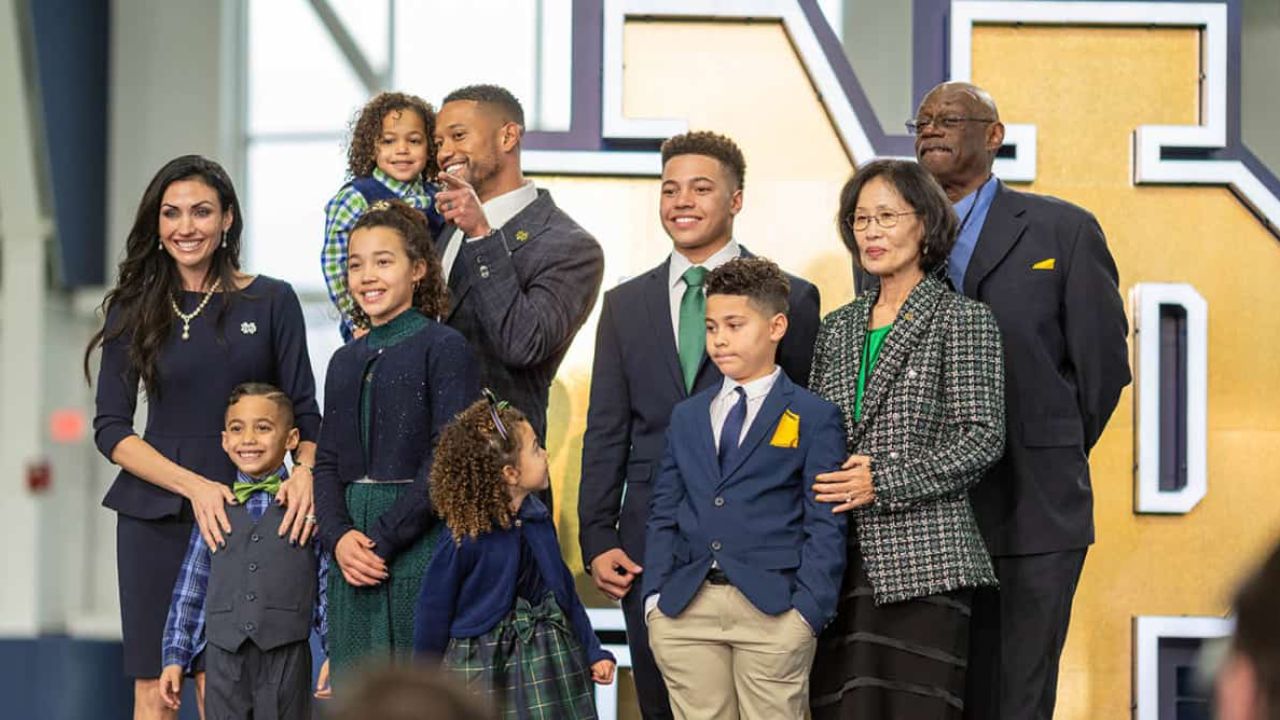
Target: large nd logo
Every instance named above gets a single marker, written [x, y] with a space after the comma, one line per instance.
[1126, 108]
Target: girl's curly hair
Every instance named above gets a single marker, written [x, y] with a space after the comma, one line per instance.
[431, 294]
[467, 487]
[366, 132]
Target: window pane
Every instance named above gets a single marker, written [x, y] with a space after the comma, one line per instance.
[366, 20]
[431, 63]
[289, 184]
[299, 81]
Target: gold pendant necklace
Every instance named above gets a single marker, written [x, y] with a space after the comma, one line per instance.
[188, 317]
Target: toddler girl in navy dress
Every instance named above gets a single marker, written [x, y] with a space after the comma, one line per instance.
[497, 602]
[387, 395]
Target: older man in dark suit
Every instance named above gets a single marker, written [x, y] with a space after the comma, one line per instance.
[650, 355]
[1043, 266]
[522, 274]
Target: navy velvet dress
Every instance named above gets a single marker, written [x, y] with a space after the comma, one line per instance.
[259, 338]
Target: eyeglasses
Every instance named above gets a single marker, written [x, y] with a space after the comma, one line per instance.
[950, 122]
[885, 219]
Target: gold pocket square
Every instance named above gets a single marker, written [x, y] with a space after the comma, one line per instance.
[787, 434]
[1046, 264]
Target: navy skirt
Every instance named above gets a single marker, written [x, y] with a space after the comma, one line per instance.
[148, 556]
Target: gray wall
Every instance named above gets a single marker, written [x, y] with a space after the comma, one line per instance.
[877, 41]
[1260, 61]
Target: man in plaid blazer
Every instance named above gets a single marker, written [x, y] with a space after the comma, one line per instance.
[522, 274]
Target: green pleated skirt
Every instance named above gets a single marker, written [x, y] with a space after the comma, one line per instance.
[530, 663]
[375, 624]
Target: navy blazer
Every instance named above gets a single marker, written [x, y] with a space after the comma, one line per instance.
[470, 586]
[760, 520]
[421, 384]
[635, 382]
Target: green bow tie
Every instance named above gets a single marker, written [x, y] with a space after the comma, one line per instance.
[270, 485]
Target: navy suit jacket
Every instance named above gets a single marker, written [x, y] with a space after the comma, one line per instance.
[759, 519]
[635, 382]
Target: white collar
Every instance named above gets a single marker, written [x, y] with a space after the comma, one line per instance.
[754, 389]
[499, 210]
[680, 263]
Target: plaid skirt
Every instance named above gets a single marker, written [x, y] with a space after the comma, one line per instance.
[376, 623]
[530, 663]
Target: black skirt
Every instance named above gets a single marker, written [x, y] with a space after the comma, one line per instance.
[148, 556]
[904, 661]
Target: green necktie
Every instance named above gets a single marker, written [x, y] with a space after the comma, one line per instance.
[693, 325]
[269, 484]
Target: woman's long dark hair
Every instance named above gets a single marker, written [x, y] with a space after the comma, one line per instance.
[148, 277]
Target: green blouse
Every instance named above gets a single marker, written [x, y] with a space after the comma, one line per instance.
[383, 336]
[870, 351]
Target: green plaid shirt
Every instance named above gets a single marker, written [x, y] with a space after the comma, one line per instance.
[340, 215]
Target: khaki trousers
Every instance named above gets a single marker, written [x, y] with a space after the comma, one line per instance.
[722, 658]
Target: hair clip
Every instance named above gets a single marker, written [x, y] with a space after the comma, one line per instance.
[380, 205]
[496, 405]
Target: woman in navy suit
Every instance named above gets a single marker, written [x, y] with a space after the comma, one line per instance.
[187, 325]
[918, 372]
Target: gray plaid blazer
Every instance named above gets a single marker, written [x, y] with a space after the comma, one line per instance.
[932, 423]
[519, 296]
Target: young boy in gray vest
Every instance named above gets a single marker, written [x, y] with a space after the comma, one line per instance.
[249, 606]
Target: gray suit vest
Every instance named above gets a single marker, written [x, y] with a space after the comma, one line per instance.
[261, 588]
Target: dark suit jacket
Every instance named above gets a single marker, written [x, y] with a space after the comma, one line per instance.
[759, 519]
[520, 295]
[1066, 361]
[635, 382]
[932, 423]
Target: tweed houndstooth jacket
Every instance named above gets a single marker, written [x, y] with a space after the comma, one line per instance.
[932, 423]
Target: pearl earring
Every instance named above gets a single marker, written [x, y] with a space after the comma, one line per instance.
[224, 238]
[159, 244]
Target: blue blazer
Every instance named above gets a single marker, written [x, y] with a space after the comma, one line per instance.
[470, 586]
[760, 520]
[635, 383]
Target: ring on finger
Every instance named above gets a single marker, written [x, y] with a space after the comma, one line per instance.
[848, 497]
[309, 519]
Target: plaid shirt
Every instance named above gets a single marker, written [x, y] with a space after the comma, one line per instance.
[184, 628]
[340, 215]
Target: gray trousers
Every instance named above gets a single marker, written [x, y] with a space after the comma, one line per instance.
[254, 684]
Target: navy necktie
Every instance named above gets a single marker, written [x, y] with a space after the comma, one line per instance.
[732, 428]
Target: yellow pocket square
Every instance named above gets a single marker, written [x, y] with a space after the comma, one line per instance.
[1046, 264]
[787, 434]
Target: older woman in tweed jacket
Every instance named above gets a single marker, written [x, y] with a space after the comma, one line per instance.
[918, 372]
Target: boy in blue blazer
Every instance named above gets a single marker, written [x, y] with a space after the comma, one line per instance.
[742, 563]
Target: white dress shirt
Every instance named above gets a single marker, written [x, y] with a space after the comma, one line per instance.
[498, 211]
[675, 280]
[756, 391]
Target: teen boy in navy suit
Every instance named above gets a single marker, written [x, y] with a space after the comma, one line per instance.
[742, 563]
[650, 355]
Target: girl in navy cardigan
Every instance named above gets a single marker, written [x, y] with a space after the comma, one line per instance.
[387, 395]
[498, 603]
